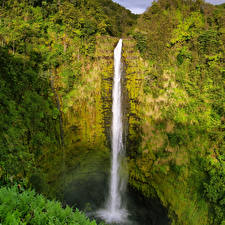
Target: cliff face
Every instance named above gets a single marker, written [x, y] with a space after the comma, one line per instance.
[176, 151]
[85, 156]
[159, 168]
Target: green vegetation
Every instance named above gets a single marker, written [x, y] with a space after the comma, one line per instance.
[181, 100]
[18, 206]
[47, 52]
[56, 66]
[28, 116]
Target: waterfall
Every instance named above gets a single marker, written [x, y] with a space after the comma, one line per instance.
[114, 211]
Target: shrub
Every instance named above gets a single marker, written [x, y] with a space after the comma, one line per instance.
[19, 206]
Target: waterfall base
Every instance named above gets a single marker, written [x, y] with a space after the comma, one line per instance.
[113, 216]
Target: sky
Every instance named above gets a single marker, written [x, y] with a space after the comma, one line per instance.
[139, 6]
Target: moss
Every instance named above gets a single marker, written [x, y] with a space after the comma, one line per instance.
[86, 125]
[162, 158]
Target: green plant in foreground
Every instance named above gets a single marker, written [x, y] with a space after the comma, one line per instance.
[26, 207]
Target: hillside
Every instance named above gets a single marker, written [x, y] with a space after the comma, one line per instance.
[46, 49]
[180, 109]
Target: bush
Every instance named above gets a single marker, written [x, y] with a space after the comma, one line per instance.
[141, 41]
[19, 206]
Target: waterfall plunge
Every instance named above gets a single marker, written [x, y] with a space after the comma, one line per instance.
[115, 212]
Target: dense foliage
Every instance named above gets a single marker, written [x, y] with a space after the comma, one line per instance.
[26, 207]
[28, 116]
[44, 47]
[184, 44]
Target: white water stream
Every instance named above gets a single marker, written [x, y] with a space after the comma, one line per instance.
[115, 211]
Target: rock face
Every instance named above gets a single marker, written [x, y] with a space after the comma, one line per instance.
[84, 160]
[160, 164]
